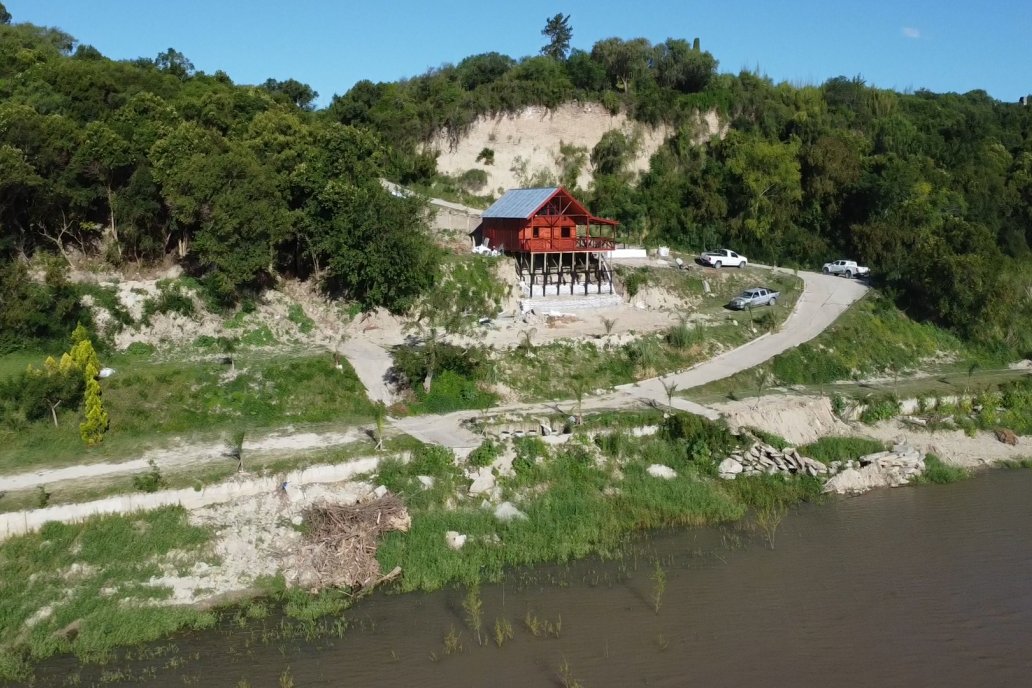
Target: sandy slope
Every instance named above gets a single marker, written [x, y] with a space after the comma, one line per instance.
[535, 134]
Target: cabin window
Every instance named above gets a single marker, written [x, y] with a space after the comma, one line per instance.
[535, 233]
[565, 233]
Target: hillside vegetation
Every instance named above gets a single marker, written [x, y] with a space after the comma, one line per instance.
[149, 160]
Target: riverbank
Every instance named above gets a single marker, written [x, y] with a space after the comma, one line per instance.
[527, 500]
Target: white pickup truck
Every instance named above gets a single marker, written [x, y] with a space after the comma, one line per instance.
[849, 268]
[723, 257]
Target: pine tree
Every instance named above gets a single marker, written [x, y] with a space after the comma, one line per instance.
[84, 357]
[96, 424]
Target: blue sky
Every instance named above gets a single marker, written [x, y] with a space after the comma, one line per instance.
[945, 45]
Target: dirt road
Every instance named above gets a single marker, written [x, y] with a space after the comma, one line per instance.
[823, 299]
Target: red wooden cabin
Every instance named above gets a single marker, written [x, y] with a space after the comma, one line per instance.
[542, 221]
[556, 241]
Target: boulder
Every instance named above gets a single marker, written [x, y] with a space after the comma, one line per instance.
[660, 471]
[483, 481]
[730, 468]
[871, 458]
[1006, 436]
[853, 481]
[454, 539]
[426, 481]
[507, 511]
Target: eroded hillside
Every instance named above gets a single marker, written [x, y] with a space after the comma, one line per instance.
[526, 145]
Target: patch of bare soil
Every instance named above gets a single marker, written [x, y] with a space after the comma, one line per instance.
[953, 446]
[799, 419]
[254, 537]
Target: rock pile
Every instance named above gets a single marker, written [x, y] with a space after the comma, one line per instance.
[882, 469]
[763, 458]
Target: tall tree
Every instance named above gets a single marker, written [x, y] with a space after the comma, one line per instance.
[300, 94]
[175, 63]
[624, 61]
[559, 33]
[5, 16]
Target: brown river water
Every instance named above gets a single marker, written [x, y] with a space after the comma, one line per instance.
[922, 586]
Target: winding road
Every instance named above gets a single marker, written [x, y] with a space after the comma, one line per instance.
[823, 299]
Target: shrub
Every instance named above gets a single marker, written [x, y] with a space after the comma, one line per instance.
[829, 449]
[452, 392]
[486, 156]
[473, 180]
[635, 280]
[880, 408]
[939, 473]
[171, 298]
[151, 481]
[412, 362]
[485, 454]
[683, 336]
[700, 434]
[432, 459]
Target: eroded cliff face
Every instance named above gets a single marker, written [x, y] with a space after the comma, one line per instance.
[526, 144]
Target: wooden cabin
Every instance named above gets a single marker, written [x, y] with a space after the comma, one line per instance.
[558, 244]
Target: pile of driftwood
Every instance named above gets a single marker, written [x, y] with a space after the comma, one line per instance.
[339, 545]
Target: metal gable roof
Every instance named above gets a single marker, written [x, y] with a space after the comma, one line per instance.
[520, 203]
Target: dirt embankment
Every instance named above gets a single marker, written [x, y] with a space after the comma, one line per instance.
[528, 141]
[803, 419]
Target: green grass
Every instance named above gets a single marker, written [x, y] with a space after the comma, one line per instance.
[571, 512]
[149, 402]
[91, 576]
[939, 473]
[872, 339]
[296, 314]
[828, 449]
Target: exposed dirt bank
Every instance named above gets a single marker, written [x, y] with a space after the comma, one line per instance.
[528, 142]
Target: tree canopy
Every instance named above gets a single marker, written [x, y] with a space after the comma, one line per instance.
[136, 161]
[559, 34]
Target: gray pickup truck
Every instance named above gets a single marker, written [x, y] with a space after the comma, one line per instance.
[757, 296]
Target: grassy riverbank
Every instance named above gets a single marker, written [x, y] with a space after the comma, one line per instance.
[580, 498]
[84, 589]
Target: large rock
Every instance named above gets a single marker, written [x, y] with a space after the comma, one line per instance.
[883, 469]
[730, 468]
[455, 539]
[1006, 436]
[853, 481]
[507, 511]
[660, 471]
[483, 481]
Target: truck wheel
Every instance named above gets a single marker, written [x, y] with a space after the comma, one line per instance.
[717, 265]
[826, 271]
[742, 264]
[773, 301]
[849, 274]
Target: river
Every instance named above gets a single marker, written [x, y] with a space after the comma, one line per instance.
[908, 587]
